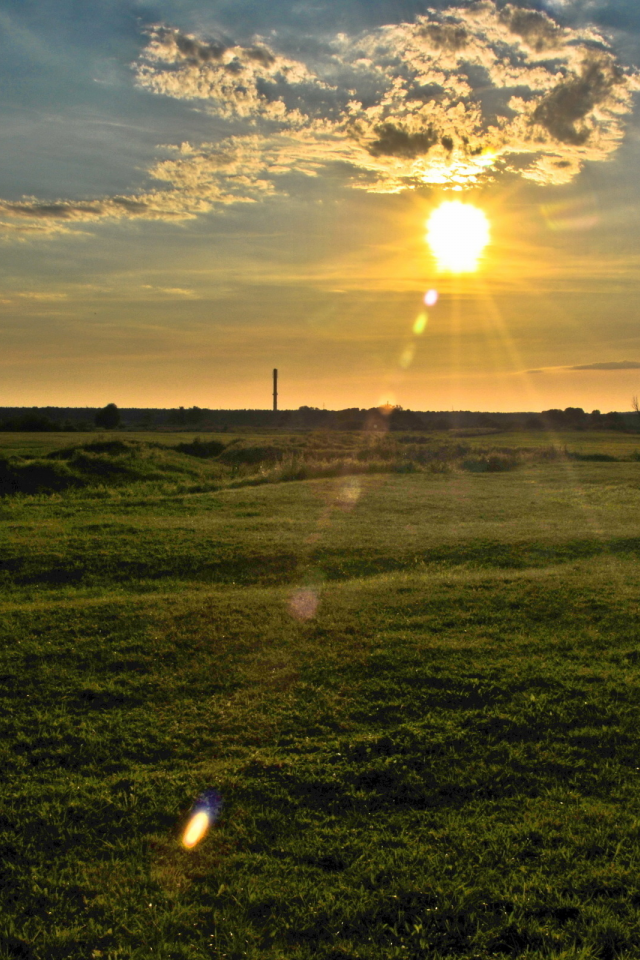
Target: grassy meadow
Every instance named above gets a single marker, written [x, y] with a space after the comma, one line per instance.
[410, 665]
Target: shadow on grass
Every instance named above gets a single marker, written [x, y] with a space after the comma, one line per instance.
[272, 569]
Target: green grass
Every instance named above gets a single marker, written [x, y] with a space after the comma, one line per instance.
[121, 465]
[609, 442]
[441, 762]
[40, 444]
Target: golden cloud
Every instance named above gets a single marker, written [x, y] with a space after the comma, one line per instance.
[453, 99]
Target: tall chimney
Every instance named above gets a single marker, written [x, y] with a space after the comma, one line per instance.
[275, 391]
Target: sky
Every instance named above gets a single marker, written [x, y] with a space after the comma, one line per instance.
[194, 192]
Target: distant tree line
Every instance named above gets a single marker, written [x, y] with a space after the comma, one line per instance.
[575, 418]
[374, 419]
[39, 422]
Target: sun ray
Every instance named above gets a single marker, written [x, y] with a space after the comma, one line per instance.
[589, 513]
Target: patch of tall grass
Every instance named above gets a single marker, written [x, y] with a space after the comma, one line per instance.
[122, 467]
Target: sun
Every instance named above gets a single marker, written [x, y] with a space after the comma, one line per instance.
[457, 233]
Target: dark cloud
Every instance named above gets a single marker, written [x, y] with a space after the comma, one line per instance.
[132, 206]
[261, 55]
[536, 29]
[393, 141]
[195, 50]
[610, 365]
[446, 36]
[561, 111]
[67, 212]
[48, 211]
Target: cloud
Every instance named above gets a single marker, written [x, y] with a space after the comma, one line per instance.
[43, 296]
[446, 36]
[564, 112]
[405, 104]
[537, 30]
[609, 365]
[217, 174]
[170, 291]
[233, 81]
[454, 98]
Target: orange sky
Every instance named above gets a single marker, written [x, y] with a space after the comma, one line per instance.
[179, 240]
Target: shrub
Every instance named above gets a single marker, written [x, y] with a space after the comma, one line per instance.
[108, 417]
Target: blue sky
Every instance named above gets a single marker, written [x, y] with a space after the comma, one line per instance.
[192, 193]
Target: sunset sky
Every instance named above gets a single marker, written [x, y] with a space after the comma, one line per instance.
[193, 192]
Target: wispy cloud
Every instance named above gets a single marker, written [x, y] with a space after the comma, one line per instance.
[169, 291]
[195, 186]
[609, 365]
[455, 98]
[43, 295]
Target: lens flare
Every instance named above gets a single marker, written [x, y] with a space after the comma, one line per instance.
[349, 493]
[407, 355]
[202, 816]
[431, 298]
[196, 829]
[420, 324]
[573, 215]
[304, 604]
[457, 233]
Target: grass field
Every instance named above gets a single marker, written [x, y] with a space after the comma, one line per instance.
[417, 691]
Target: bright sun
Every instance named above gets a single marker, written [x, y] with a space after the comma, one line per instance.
[457, 233]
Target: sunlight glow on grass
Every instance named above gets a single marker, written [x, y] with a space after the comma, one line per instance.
[457, 233]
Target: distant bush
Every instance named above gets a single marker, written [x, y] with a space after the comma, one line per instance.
[534, 423]
[108, 417]
[186, 418]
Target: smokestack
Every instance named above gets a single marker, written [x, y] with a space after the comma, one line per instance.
[275, 391]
